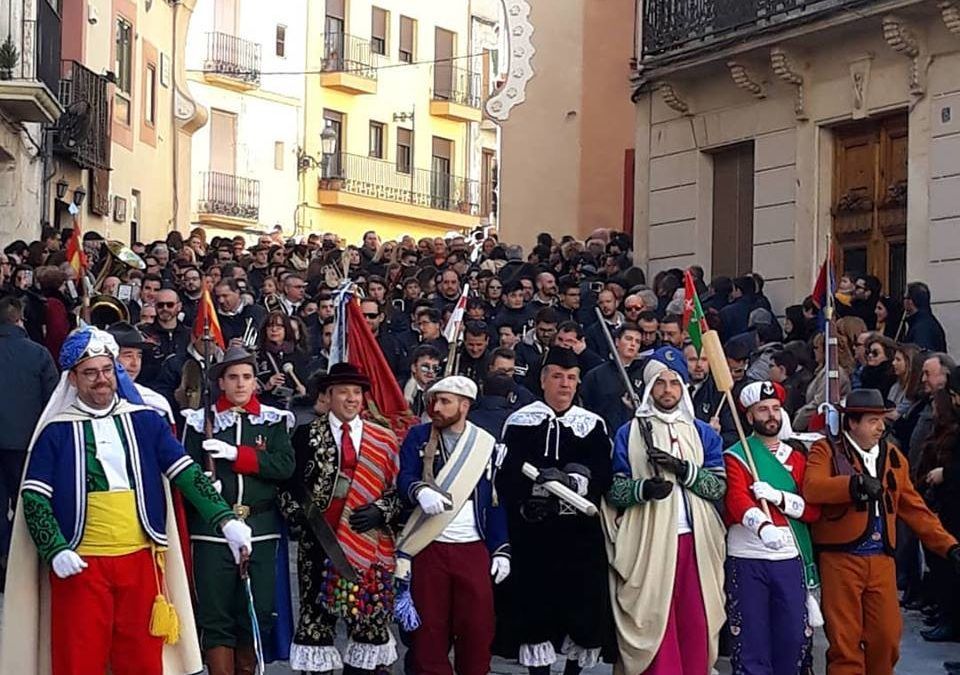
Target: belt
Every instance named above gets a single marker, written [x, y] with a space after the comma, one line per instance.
[244, 511]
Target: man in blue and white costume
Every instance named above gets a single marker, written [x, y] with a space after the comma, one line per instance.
[95, 501]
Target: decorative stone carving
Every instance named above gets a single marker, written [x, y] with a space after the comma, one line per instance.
[903, 39]
[672, 98]
[859, 85]
[742, 78]
[784, 69]
[520, 48]
[950, 12]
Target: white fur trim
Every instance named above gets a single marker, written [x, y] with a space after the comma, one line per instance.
[580, 421]
[227, 418]
[538, 655]
[368, 657]
[312, 658]
[585, 658]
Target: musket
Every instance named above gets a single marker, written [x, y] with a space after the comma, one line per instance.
[831, 367]
[205, 396]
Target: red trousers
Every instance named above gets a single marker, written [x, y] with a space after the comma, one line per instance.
[101, 618]
[453, 594]
[862, 613]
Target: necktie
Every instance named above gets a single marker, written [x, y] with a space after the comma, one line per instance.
[347, 451]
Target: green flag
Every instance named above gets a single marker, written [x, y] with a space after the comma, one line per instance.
[694, 321]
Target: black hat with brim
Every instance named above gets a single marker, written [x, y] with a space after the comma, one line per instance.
[127, 336]
[561, 357]
[866, 401]
[234, 356]
[344, 373]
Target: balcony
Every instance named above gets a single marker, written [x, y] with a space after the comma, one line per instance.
[228, 201]
[30, 70]
[83, 130]
[232, 62]
[456, 94]
[375, 185]
[348, 64]
[676, 28]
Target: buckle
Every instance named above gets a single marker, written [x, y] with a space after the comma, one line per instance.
[241, 511]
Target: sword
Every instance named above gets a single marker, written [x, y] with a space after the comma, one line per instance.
[252, 610]
[328, 542]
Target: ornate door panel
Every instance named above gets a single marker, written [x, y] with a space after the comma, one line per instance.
[870, 199]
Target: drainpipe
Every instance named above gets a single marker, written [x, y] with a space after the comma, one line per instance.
[175, 136]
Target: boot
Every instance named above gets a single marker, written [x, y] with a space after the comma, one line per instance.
[245, 660]
[539, 670]
[220, 661]
[353, 670]
[572, 667]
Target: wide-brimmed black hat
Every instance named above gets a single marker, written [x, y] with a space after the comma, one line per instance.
[344, 373]
[865, 401]
[128, 336]
[232, 357]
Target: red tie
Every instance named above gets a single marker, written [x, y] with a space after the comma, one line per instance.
[348, 454]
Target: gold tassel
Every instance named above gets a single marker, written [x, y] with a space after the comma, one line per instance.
[164, 622]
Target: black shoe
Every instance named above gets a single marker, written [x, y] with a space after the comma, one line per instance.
[951, 666]
[933, 620]
[539, 670]
[912, 605]
[572, 667]
[943, 632]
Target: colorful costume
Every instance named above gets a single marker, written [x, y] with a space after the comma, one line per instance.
[770, 570]
[666, 546]
[249, 483]
[451, 549]
[342, 469]
[95, 501]
[862, 492]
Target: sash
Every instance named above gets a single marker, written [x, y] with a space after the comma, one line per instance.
[770, 470]
[459, 476]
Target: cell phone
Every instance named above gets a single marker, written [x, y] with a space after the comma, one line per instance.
[124, 292]
[71, 289]
[28, 277]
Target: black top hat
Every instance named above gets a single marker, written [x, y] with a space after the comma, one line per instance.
[865, 401]
[232, 357]
[344, 373]
[128, 336]
[562, 357]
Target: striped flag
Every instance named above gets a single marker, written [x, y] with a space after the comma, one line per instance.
[75, 255]
[694, 321]
[207, 313]
[452, 329]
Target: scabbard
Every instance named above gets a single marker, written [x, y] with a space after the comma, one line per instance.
[327, 539]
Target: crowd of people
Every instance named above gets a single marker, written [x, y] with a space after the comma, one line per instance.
[579, 486]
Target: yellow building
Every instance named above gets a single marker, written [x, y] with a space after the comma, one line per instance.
[400, 86]
[122, 146]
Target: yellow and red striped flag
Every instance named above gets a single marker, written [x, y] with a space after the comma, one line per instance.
[206, 312]
[75, 255]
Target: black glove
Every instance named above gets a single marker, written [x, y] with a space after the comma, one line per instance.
[553, 473]
[655, 488]
[668, 462]
[953, 555]
[864, 488]
[366, 518]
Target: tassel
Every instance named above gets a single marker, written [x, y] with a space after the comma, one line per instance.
[814, 615]
[403, 610]
[164, 622]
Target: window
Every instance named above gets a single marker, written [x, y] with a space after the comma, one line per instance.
[278, 155]
[223, 142]
[378, 31]
[123, 67]
[150, 96]
[408, 29]
[334, 120]
[440, 179]
[281, 48]
[404, 150]
[376, 139]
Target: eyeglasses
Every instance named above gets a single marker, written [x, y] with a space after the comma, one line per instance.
[161, 305]
[93, 374]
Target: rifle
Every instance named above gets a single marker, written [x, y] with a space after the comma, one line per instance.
[831, 369]
[206, 396]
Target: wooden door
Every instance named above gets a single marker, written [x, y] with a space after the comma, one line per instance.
[443, 68]
[870, 200]
[732, 252]
[223, 142]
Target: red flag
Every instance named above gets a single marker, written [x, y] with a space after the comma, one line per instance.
[75, 255]
[205, 311]
[385, 398]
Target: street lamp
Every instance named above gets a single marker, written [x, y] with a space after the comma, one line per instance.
[62, 186]
[328, 145]
[78, 196]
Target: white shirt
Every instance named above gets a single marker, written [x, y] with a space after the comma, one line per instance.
[463, 528]
[869, 458]
[356, 431]
[110, 452]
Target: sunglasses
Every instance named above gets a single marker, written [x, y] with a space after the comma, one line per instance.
[371, 315]
[171, 305]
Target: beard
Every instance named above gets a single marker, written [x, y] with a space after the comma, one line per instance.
[769, 428]
[441, 422]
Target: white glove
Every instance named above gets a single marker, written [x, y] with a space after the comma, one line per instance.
[772, 537]
[67, 563]
[238, 536]
[432, 502]
[767, 492]
[220, 450]
[499, 568]
[217, 485]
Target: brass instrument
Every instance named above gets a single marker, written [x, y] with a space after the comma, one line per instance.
[105, 310]
[121, 258]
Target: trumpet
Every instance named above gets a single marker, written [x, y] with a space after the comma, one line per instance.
[120, 259]
[250, 335]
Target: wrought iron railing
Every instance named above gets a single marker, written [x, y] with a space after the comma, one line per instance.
[343, 53]
[378, 178]
[228, 195]
[83, 130]
[233, 56]
[457, 85]
[673, 26]
[37, 48]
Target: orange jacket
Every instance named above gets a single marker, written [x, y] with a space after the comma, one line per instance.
[844, 524]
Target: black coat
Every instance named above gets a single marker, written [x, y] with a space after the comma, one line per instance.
[234, 326]
[27, 369]
[490, 413]
[706, 400]
[603, 391]
[925, 331]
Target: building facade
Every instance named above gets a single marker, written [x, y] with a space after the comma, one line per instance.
[401, 86]
[765, 127]
[568, 149]
[121, 150]
[29, 82]
[245, 64]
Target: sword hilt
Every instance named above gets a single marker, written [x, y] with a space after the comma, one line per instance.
[244, 563]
